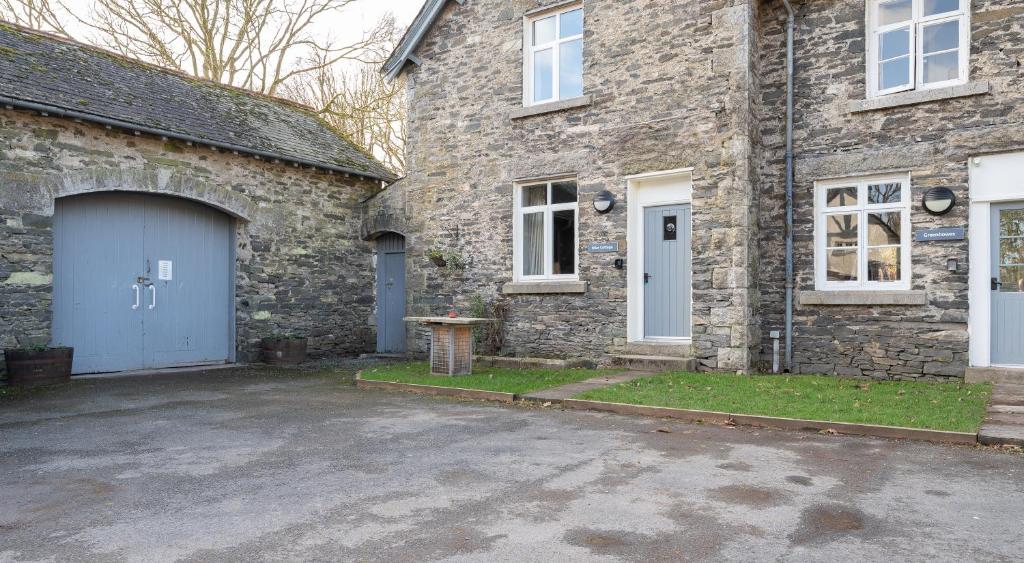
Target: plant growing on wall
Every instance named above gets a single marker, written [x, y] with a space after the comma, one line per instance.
[490, 337]
[449, 259]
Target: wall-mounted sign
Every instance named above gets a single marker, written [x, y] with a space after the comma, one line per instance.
[940, 234]
[602, 247]
[165, 270]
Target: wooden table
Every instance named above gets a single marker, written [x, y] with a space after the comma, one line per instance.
[451, 343]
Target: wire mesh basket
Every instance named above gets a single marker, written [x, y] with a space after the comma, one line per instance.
[451, 350]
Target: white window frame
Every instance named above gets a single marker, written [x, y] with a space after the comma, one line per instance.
[862, 209]
[549, 210]
[917, 22]
[529, 50]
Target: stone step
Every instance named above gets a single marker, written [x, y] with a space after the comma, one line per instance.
[1001, 435]
[668, 349]
[654, 363]
[1012, 376]
[1009, 395]
[1006, 409]
[1005, 419]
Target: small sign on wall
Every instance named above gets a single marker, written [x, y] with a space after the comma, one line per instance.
[165, 270]
[940, 234]
[602, 247]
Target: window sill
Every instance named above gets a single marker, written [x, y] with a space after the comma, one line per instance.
[877, 298]
[544, 287]
[920, 97]
[551, 107]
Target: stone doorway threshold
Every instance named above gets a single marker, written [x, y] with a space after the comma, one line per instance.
[161, 371]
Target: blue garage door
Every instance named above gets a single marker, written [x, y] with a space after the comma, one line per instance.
[142, 281]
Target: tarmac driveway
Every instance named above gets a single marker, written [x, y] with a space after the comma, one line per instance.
[252, 465]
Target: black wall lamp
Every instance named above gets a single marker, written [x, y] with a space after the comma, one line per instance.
[604, 202]
[939, 201]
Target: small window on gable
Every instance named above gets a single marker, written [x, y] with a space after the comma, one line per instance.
[862, 234]
[917, 44]
[553, 56]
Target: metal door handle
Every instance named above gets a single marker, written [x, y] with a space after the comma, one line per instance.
[152, 305]
[647, 278]
[136, 305]
[996, 284]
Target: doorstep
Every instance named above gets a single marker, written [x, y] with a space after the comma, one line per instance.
[1004, 421]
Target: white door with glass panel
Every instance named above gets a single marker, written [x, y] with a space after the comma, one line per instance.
[1008, 284]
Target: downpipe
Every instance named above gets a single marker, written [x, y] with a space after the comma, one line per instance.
[790, 25]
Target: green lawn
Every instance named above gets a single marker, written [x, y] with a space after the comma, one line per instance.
[504, 380]
[938, 406]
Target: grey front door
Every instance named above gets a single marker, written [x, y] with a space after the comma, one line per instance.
[1008, 284]
[390, 294]
[667, 271]
[113, 303]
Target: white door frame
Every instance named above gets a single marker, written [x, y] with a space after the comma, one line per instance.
[653, 189]
[994, 179]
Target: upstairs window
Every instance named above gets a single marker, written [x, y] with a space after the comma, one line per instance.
[862, 234]
[917, 44]
[545, 233]
[554, 56]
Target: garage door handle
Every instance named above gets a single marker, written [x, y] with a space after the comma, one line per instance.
[136, 305]
[152, 304]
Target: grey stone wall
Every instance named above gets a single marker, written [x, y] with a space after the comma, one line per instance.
[932, 141]
[301, 265]
[673, 86]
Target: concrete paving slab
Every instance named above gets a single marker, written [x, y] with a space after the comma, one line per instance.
[558, 394]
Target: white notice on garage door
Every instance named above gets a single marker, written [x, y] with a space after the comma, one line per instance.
[165, 270]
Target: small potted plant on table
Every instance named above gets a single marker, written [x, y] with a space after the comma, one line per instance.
[38, 365]
[284, 349]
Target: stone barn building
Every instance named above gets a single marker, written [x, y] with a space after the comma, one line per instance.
[151, 220]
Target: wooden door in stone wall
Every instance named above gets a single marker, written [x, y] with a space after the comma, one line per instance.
[391, 294]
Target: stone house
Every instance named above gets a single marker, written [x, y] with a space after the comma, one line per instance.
[150, 219]
[615, 171]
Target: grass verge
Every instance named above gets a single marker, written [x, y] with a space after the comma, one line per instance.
[504, 380]
[935, 406]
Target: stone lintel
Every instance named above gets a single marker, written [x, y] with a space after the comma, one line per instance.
[544, 287]
[875, 298]
[551, 107]
[920, 96]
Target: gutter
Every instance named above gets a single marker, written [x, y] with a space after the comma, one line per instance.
[46, 109]
[790, 25]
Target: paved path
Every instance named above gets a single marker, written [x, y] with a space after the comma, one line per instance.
[253, 466]
[1004, 423]
[559, 394]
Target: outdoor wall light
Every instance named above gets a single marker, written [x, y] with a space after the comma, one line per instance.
[604, 202]
[939, 201]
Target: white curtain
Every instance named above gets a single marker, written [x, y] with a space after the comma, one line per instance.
[533, 244]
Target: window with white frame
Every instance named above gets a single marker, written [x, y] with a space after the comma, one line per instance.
[554, 56]
[917, 44]
[545, 233]
[862, 233]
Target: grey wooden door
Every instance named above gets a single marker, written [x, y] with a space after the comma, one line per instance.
[97, 297]
[667, 271]
[391, 294]
[187, 311]
[110, 302]
[1008, 284]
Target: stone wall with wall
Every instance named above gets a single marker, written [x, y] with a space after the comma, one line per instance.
[933, 141]
[670, 83]
[301, 265]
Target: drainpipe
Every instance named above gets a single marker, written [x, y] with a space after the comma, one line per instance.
[790, 24]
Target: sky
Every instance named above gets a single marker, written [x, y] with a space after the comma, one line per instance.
[348, 25]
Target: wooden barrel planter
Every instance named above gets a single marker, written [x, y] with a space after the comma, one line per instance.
[44, 366]
[283, 351]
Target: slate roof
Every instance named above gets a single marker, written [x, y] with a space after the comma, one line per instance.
[406, 48]
[88, 82]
